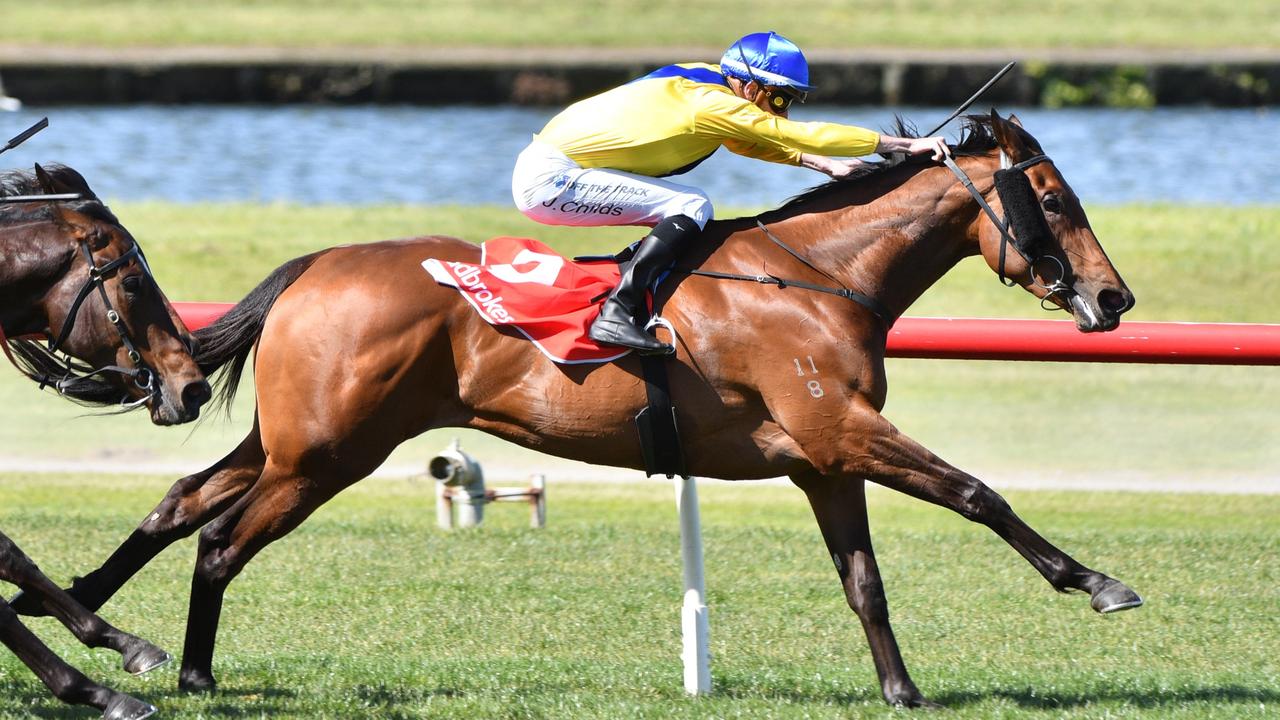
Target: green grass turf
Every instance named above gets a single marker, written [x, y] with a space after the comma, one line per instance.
[368, 611]
[1014, 420]
[712, 24]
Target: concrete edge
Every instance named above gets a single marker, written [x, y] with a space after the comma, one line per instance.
[1245, 77]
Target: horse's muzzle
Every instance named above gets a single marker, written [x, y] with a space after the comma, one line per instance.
[193, 395]
[1100, 311]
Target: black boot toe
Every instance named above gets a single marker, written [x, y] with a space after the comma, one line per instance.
[627, 335]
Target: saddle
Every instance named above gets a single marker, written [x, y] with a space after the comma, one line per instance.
[523, 284]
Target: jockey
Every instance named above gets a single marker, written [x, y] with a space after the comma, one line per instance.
[601, 161]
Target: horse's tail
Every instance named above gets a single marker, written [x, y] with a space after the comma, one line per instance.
[225, 344]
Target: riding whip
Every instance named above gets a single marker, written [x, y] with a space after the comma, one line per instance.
[25, 135]
[994, 79]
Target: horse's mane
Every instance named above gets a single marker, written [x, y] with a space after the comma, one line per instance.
[24, 182]
[976, 138]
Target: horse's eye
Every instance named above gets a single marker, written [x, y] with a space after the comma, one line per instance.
[1052, 204]
[132, 284]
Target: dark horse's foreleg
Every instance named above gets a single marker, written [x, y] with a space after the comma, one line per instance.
[190, 503]
[275, 505]
[840, 506]
[885, 456]
[139, 655]
[68, 684]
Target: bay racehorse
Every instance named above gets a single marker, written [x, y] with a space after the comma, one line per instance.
[357, 352]
[70, 272]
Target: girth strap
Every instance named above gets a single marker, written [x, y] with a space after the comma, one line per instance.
[660, 443]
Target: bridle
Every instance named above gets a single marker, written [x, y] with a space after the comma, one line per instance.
[1028, 242]
[141, 374]
[1012, 179]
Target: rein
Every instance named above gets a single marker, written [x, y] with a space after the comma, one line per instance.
[1054, 287]
[876, 307]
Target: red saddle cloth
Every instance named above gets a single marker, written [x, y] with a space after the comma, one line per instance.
[526, 285]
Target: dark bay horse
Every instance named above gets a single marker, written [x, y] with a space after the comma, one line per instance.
[69, 271]
[358, 351]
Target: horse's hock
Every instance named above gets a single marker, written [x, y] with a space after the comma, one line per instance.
[461, 493]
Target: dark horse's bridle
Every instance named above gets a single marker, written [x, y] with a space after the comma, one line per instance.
[141, 374]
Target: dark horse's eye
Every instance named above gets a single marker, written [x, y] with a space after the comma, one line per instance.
[1052, 204]
[132, 284]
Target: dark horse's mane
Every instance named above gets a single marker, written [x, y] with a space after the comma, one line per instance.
[24, 182]
[976, 138]
[33, 358]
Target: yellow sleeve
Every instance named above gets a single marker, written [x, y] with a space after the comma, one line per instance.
[748, 130]
[770, 153]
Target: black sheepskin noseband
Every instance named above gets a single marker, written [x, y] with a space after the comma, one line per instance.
[1031, 234]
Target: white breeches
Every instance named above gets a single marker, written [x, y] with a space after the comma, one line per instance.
[552, 189]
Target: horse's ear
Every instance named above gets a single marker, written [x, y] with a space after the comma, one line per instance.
[45, 180]
[1014, 119]
[62, 180]
[1009, 136]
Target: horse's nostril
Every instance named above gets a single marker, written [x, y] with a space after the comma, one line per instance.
[1113, 302]
[196, 394]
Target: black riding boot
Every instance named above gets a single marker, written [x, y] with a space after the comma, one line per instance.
[622, 319]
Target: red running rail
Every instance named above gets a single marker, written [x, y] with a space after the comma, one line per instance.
[1042, 340]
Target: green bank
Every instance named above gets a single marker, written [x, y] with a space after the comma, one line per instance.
[368, 611]
[997, 420]
[833, 24]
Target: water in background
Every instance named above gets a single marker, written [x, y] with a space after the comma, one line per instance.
[464, 154]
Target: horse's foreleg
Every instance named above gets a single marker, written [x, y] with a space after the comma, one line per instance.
[190, 503]
[67, 684]
[139, 655]
[882, 454]
[275, 505]
[840, 507]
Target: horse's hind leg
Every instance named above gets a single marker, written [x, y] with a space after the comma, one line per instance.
[275, 505]
[67, 684]
[840, 507]
[190, 503]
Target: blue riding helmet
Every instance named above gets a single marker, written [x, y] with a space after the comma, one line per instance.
[770, 59]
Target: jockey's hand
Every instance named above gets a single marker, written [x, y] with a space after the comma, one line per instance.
[934, 146]
[844, 168]
[831, 166]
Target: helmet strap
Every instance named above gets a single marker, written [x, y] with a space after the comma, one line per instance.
[747, 65]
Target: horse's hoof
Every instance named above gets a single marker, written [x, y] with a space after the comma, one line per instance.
[144, 658]
[123, 707]
[916, 703]
[1114, 596]
[910, 699]
[28, 605]
[196, 682]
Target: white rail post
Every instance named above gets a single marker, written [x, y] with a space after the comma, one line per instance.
[695, 629]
